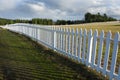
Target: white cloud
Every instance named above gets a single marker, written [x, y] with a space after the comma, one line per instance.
[58, 9]
[9, 4]
[37, 7]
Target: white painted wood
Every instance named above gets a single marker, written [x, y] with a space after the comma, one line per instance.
[94, 48]
[68, 43]
[89, 48]
[65, 40]
[100, 50]
[62, 40]
[72, 44]
[84, 46]
[59, 39]
[106, 58]
[114, 55]
[79, 45]
[76, 44]
[52, 37]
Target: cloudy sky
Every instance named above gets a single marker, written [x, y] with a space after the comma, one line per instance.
[57, 9]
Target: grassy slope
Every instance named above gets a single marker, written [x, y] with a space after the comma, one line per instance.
[20, 58]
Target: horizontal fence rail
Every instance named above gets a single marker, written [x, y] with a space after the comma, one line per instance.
[93, 50]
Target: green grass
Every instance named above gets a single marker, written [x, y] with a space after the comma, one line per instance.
[23, 59]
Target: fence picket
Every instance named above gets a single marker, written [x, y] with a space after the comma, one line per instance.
[89, 48]
[100, 51]
[68, 42]
[114, 56]
[84, 46]
[72, 46]
[79, 45]
[76, 44]
[94, 48]
[106, 53]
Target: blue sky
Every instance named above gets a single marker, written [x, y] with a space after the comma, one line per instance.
[57, 9]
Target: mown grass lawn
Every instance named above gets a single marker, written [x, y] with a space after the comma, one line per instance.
[23, 59]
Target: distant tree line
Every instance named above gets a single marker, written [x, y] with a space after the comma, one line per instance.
[97, 18]
[68, 22]
[33, 21]
[88, 18]
[42, 21]
[10, 21]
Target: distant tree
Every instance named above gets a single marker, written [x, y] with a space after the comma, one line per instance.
[97, 18]
[88, 17]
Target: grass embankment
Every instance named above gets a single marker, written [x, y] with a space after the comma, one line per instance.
[23, 59]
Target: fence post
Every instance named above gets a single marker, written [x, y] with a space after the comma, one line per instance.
[100, 50]
[54, 38]
[106, 53]
[72, 46]
[114, 55]
[84, 46]
[76, 45]
[94, 48]
[79, 44]
[68, 44]
[89, 50]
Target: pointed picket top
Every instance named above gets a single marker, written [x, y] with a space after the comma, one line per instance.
[96, 33]
[72, 31]
[59, 29]
[68, 30]
[109, 35]
[117, 36]
[77, 31]
[102, 34]
[81, 32]
[85, 32]
[90, 32]
[63, 30]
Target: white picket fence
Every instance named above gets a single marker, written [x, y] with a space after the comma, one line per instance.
[82, 46]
